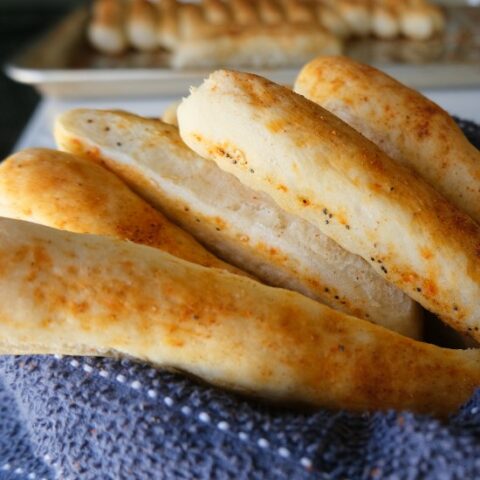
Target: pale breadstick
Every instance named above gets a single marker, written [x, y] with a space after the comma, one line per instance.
[416, 22]
[66, 192]
[270, 12]
[240, 225]
[438, 18]
[356, 14]
[244, 12]
[105, 30]
[266, 46]
[313, 165]
[298, 11]
[63, 292]
[167, 33]
[411, 129]
[331, 20]
[385, 22]
[416, 19]
[170, 114]
[216, 12]
[142, 25]
[191, 22]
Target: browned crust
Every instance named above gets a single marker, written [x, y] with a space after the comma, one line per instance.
[66, 192]
[232, 331]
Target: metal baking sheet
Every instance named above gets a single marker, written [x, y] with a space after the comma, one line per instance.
[63, 64]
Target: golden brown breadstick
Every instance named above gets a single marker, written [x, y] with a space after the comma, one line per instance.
[106, 29]
[242, 226]
[66, 192]
[317, 167]
[411, 129]
[63, 292]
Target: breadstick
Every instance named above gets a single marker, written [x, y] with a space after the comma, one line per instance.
[244, 12]
[142, 25]
[265, 46]
[416, 21]
[297, 11]
[270, 12]
[240, 225]
[314, 165]
[105, 30]
[356, 14]
[170, 114]
[385, 23]
[331, 20]
[66, 192]
[411, 129]
[167, 34]
[191, 23]
[63, 292]
[216, 12]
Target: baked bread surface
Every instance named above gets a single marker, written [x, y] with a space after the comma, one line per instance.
[60, 190]
[63, 292]
[243, 226]
[411, 129]
[314, 165]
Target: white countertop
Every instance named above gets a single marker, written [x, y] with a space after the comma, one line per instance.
[464, 103]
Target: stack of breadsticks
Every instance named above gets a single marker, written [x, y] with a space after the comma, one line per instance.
[266, 245]
[253, 33]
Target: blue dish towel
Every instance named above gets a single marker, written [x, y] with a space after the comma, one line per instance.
[94, 418]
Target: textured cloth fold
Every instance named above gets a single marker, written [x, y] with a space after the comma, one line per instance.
[95, 418]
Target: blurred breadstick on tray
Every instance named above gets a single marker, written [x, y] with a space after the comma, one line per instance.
[141, 47]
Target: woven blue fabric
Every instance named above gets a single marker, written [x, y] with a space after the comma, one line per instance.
[93, 418]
